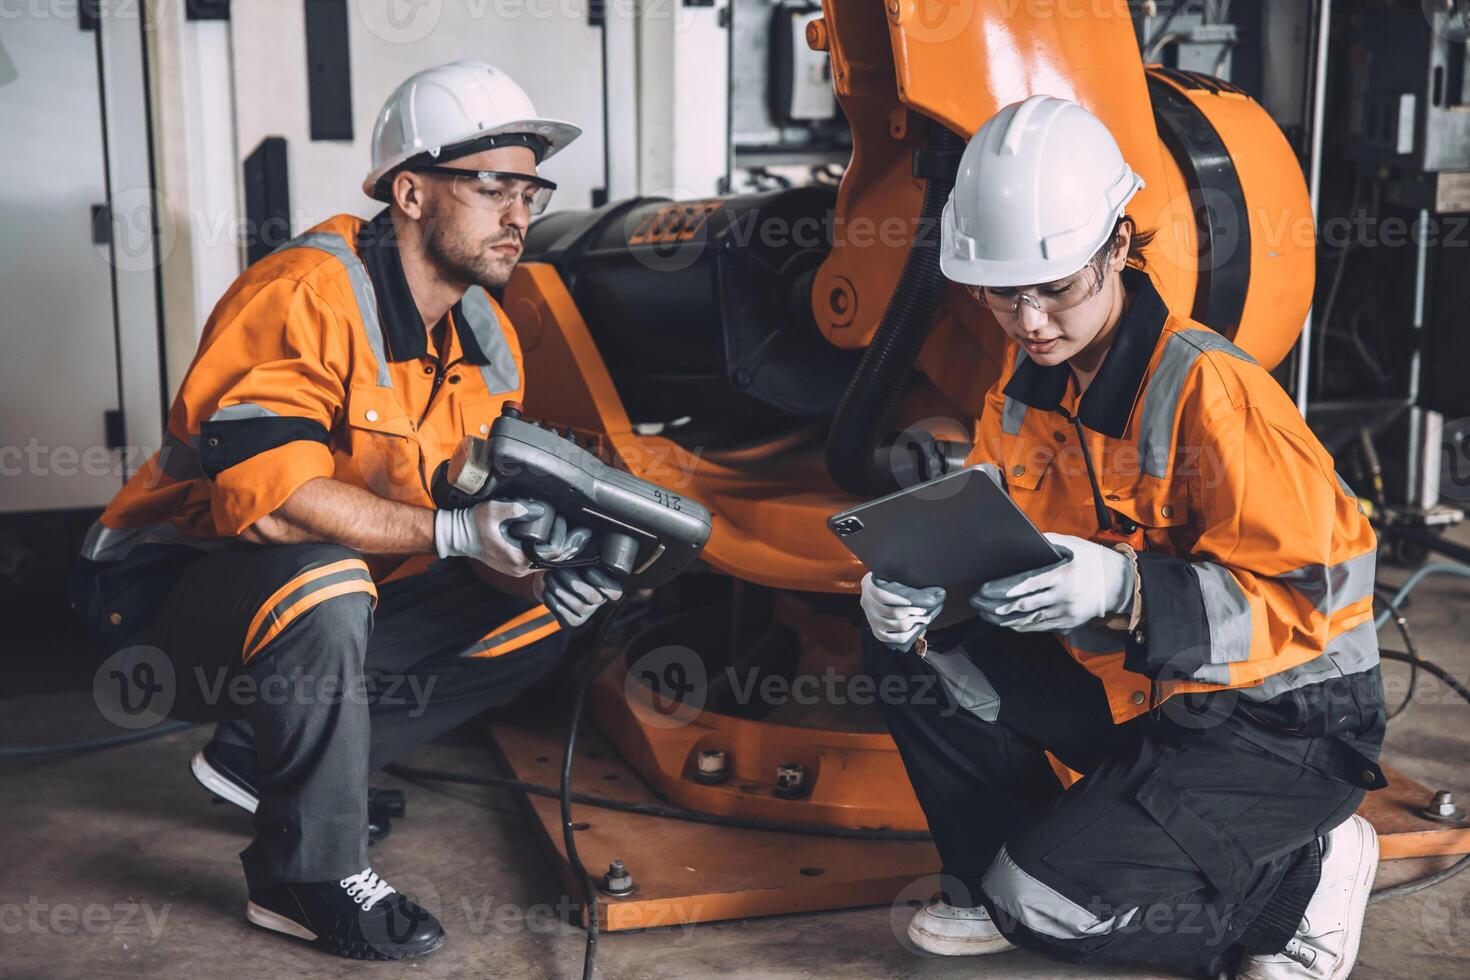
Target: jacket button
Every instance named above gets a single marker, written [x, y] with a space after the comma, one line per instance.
[1138, 636]
[1168, 511]
[372, 415]
[212, 441]
[1137, 697]
[115, 619]
[1018, 470]
[1060, 435]
[1368, 776]
[484, 429]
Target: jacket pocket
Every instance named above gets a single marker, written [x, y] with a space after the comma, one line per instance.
[477, 413]
[1159, 510]
[1148, 503]
[117, 600]
[1026, 463]
[1216, 852]
[376, 409]
[382, 452]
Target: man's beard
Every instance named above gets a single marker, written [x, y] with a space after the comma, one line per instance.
[458, 260]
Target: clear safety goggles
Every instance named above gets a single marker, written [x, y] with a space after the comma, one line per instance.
[1049, 297]
[495, 190]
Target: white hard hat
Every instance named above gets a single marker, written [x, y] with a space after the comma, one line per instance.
[449, 106]
[1039, 190]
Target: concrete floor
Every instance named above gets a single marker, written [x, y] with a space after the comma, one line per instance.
[116, 864]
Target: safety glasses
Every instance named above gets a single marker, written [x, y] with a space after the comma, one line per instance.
[1050, 297]
[495, 190]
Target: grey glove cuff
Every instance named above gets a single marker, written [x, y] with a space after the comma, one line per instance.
[447, 531]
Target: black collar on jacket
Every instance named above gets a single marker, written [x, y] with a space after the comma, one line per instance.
[1107, 403]
[403, 327]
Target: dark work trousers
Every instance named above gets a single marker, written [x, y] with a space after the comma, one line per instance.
[1191, 838]
[332, 688]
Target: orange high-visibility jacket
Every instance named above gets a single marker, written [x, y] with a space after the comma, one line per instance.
[1256, 563]
[315, 363]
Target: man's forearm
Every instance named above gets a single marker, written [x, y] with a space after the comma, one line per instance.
[328, 511]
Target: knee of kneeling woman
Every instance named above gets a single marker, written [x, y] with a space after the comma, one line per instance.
[1023, 903]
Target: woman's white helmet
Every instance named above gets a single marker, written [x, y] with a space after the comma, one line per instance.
[449, 106]
[1039, 189]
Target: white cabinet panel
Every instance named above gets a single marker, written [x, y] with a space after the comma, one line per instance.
[59, 367]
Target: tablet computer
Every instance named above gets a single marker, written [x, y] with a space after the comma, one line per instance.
[958, 531]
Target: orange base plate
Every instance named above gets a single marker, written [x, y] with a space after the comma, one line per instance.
[689, 872]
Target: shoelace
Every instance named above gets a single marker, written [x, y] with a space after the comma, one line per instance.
[944, 909]
[366, 888]
[1298, 949]
[1301, 952]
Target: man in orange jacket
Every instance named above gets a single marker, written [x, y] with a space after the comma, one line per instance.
[1203, 651]
[281, 558]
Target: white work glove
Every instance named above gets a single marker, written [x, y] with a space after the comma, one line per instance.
[1090, 582]
[574, 594]
[898, 613]
[484, 532]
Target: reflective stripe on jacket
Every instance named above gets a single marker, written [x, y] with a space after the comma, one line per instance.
[1256, 564]
[315, 363]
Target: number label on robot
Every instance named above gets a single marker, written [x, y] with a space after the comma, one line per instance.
[669, 500]
[673, 223]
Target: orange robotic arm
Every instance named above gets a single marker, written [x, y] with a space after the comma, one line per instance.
[599, 300]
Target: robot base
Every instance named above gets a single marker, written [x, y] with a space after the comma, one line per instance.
[685, 873]
[646, 748]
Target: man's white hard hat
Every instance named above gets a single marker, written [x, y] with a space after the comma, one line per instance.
[462, 107]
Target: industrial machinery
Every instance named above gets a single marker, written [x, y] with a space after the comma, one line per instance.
[779, 356]
[1397, 345]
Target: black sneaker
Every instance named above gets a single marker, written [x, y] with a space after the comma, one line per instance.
[230, 773]
[361, 917]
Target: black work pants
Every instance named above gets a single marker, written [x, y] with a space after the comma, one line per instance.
[1191, 837]
[284, 638]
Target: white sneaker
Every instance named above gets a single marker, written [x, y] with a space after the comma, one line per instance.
[944, 930]
[1325, 946]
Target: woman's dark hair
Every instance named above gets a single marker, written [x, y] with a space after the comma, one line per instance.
[1140, 241]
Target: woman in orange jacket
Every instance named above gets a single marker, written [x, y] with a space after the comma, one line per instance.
[1204, 653]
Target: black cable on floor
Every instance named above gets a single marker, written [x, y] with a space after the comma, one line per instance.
[1445, 676]
[590, 670]
[1385, 596]
[158, 731]
[1419, 884]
